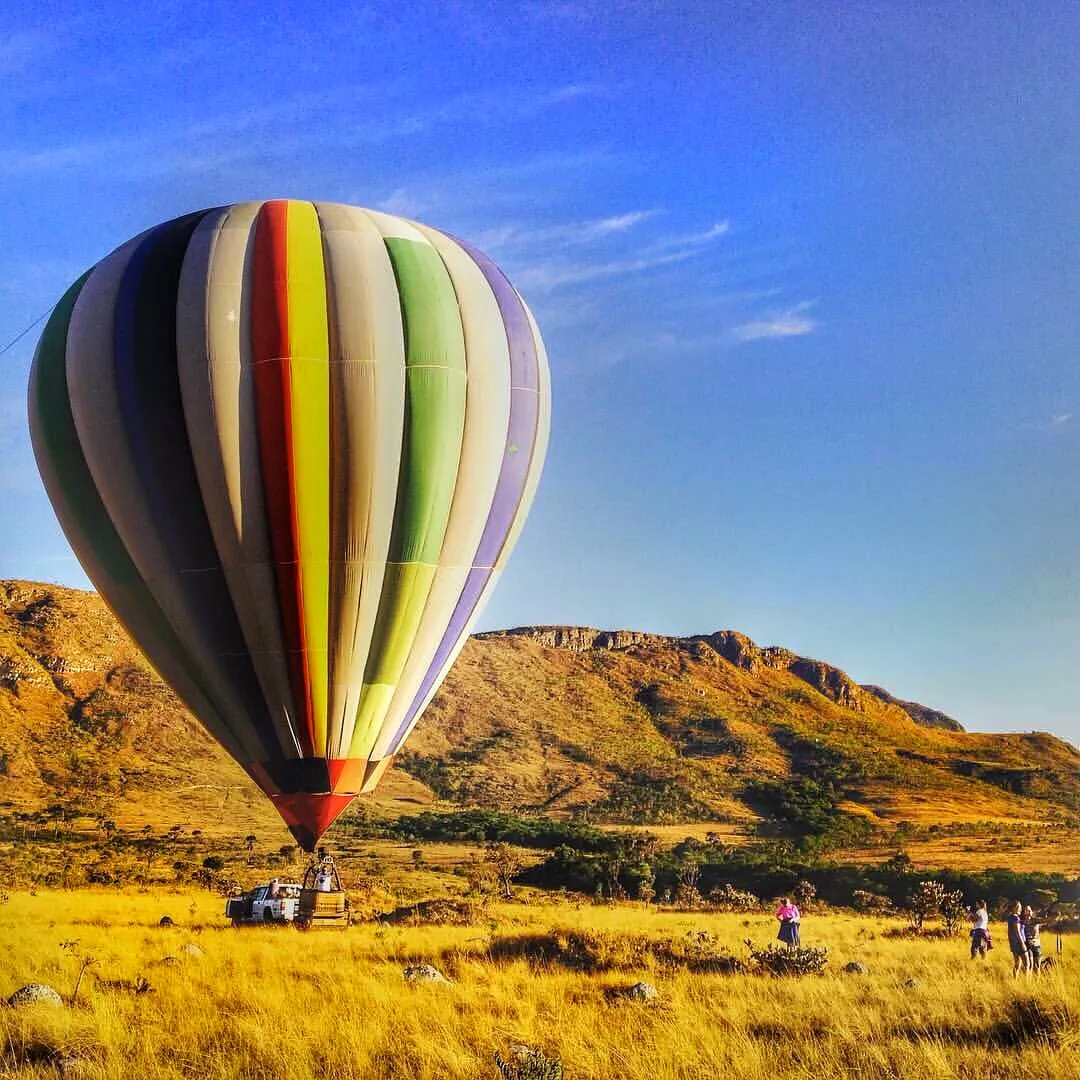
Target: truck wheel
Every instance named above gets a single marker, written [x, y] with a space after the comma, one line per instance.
[268, 915]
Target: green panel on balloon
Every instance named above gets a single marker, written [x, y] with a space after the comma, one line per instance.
[405, 592]
[434, 401]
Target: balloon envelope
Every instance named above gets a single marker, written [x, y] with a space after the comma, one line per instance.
[293, 444]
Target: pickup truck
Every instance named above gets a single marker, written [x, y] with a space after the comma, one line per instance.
[258, 906]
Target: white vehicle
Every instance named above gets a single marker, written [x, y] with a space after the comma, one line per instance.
[275, 902]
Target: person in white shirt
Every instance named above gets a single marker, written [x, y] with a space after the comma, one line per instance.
[980, 930]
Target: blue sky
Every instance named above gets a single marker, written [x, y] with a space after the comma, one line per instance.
[809, 276]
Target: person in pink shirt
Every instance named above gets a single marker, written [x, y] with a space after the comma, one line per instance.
[789, 917]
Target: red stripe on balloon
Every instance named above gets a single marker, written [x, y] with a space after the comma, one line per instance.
[273, 405]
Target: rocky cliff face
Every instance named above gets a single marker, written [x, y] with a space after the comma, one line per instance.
[921, 714]
[579, 638]
[739, 650]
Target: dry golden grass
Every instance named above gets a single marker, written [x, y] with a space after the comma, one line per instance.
[267, 1003]
[1056, 851]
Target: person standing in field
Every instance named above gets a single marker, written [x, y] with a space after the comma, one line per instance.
[980, 930]
[1017, 939]
[789, 917]
[1032, 927]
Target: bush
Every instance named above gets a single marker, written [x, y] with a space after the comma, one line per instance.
[870, 902]
[528, 1063]
[728, 898]
[781, 960]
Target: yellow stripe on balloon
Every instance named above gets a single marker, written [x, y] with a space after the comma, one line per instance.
[309, 376]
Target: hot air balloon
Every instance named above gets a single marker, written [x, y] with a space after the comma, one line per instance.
[292, 445]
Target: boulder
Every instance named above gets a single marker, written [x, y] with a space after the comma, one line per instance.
[855, 968]
[165, 921]
[35, 994]
[643, 991]
[190, 949]
[416, 973]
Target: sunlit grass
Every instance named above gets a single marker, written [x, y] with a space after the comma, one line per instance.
[281, 1003]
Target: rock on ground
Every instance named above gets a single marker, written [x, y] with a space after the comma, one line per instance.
[35, 994]
[643, 991]
[855, 968]
[191, 949]
[424, 973]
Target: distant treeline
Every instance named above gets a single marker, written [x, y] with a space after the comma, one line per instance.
[589, 860]
[489, 826]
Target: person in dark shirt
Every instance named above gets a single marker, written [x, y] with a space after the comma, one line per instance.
[1032, 940]
[1017, 939]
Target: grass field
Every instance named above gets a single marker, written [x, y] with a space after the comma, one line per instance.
[267, 1003]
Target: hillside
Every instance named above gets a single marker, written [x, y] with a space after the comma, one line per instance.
[611, 726]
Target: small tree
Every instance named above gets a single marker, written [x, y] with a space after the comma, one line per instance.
[213, 863]
[479, 873]
[925, 902]
[506, 864]
[151, 847]
[646, 885]
[953, 910]
[249, 842]
[804, 893]
[900, 863]
[689, 875]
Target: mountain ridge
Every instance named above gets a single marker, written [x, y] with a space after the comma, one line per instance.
[613, 726]
[740, 650]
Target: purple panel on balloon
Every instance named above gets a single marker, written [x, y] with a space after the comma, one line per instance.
[520, 439]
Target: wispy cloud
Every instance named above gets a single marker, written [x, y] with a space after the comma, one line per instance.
[552, 275]
[573, 92]
[537, 268]
[1058, 419]
[404, 202]
[705, 236]
[520, 237]
[620, 223]
[794, 322]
